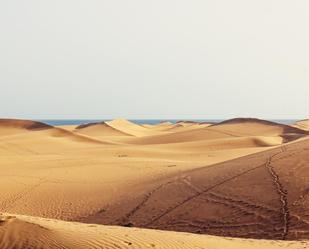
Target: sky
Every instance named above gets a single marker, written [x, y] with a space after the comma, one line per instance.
[142, 59]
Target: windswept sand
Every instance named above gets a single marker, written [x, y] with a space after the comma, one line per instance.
[239, 178]
[20, 232]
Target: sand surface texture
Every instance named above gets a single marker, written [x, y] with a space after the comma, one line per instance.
[245, 178]
[21, 232]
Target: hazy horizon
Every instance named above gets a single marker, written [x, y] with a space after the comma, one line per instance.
[152, 119]
[59, 122]
[154, 60]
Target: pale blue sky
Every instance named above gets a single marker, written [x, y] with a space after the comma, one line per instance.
[154, 59]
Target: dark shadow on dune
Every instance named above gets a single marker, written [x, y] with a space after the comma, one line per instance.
[38, 126]
[24, 124]
[86, 125]
[289, 133]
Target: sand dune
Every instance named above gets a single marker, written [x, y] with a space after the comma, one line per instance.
[131, 128]
[263, 195]
[228, 143]
[188, 135]
[99, 130]
[46, 171]
[250, 126]
[15, 126]
[302, 124]
[118, 173]
[68, 127]
[182, 126]
[225, 130]
[12, 127]
[19, 232]
[163, 126]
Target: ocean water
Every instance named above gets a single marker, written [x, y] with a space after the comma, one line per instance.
[143, 121]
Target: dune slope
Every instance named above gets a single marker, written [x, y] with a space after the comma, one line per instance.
[263, 195]
[15, 126]
[131, 128]
[235, 128]
[99, 130]
[20, 232]
[58, 173]
[252, 126]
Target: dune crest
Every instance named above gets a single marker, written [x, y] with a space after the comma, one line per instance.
[99, 129]
[19, 232]
[253, 126]
[24, 124]
[302, 124]
[130, 128]
[15, 126]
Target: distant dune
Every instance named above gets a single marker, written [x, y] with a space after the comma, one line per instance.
[14, 126]
[23, 124]
[302, 124]
[130, 128]
[227, 129]
[20, 137]
[99, 130]
[251, 126]
[163, 126]
[239, 178]
[183, 126]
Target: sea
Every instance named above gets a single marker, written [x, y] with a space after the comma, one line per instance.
[56, 122]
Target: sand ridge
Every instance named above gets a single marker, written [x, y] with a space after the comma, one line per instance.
[130, 128]
[21, 232]
[302, 124]
[250, 126]
[99, 130]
